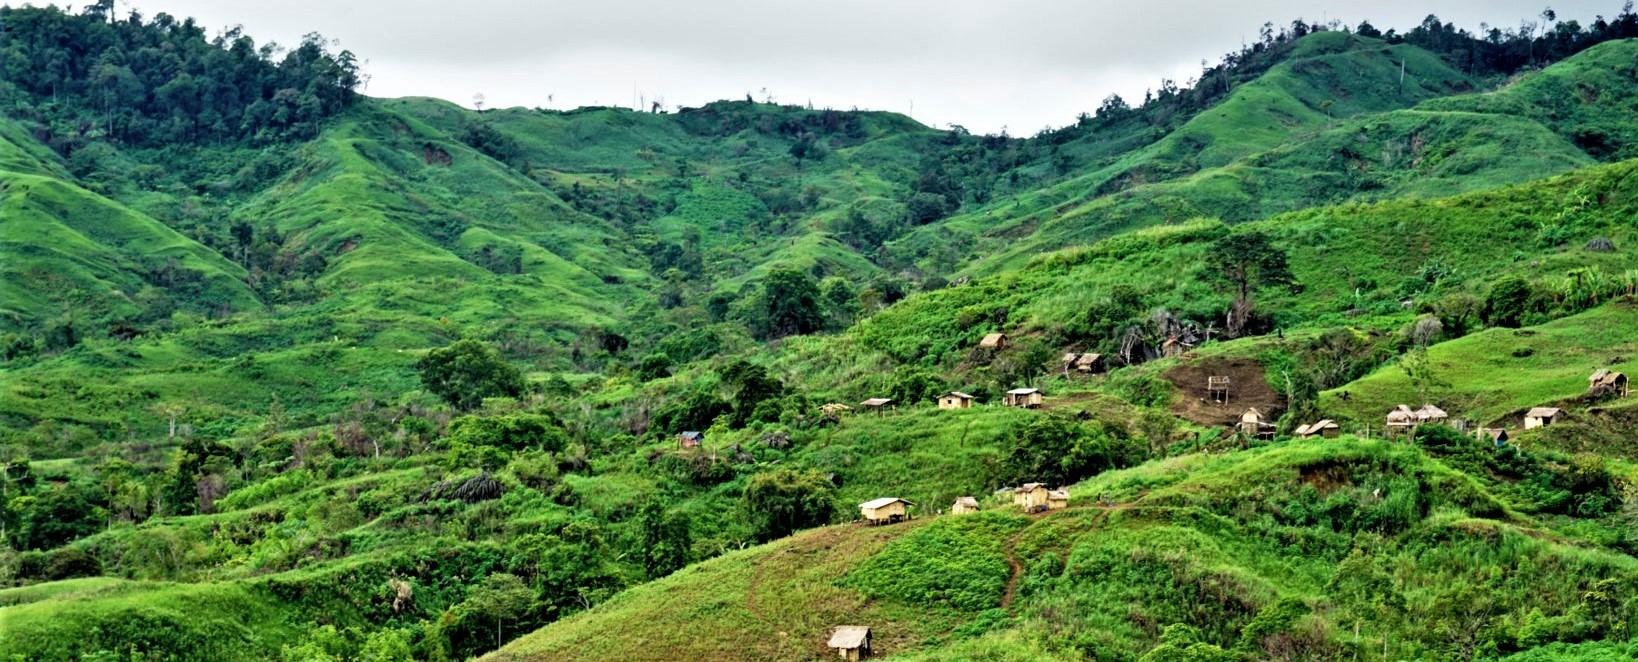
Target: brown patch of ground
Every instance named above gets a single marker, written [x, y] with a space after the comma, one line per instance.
[1326, 477]
[1248, 389]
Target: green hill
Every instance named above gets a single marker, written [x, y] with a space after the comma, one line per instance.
[69, 253]
[287, 372]
[1336, 548]
[1446, 145]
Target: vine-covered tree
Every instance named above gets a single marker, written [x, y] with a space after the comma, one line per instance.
[790, 304]
[666, 540]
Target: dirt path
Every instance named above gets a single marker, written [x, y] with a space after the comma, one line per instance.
[1017, 570]
[1249, 389]
[1017, 566]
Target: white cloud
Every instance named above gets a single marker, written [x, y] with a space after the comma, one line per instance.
[981, 63]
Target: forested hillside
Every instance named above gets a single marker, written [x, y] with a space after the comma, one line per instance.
[289, 372]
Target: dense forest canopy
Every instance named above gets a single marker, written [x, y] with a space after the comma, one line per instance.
[154, 82]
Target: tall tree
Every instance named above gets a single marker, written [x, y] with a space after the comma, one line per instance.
[500, 596]
[790, 303]
[1245, 262]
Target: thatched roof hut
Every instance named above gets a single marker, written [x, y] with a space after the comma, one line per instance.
[1605, 382]
[1326, 428]
[1431, 414]
[1028, 398]
[1542, 417]
[885, 510]
[1402, 419]
[851, 642]
[996, 341]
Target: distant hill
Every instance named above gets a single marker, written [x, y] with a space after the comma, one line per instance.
[287, 372]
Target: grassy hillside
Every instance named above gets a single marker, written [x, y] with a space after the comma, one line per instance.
[1355, 263]
[363, 379]
[70, 253]
[1193, 559]
[1446, 145]
[1492, 377]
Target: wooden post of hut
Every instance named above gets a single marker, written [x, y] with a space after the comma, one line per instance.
[1217, 388]
[851, 642]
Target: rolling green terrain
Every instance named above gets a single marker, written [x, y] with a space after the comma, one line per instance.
[287, 372]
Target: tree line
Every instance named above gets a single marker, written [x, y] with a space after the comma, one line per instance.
[94, 75]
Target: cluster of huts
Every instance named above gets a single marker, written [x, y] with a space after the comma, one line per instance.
[1402, 420]
[1030, 497]
[1025, 398]
[852, 642]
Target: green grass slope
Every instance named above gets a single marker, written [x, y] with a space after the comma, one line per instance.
[1492, 377]
[1356, 263]
[1343, 548]
[1539, 126]
[65, 249]
[1327, 77]
[1588, 98]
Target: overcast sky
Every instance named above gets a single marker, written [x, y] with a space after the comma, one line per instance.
[984, 64]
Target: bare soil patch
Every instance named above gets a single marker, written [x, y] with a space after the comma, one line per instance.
[1249, 388]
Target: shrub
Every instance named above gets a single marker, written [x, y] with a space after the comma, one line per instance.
[466, 372]
[517, 432]
[784, 500]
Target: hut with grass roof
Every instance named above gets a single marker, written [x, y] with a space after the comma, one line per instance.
[885, 510]
[877, 405]
[1028, 398]
[851, 642]
[955, 400]
[1540, 417]
[1401, 421]
[994, 342]
[1032, 497]
[1606, 383]
[1325, 428]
